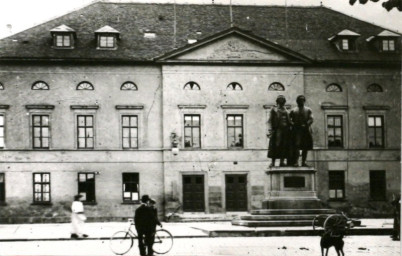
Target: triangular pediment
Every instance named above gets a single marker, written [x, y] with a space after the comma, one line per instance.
[234, 45]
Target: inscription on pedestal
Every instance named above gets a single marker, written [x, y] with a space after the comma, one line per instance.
[294, 182]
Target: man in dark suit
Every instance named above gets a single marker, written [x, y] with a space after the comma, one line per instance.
[144, 220]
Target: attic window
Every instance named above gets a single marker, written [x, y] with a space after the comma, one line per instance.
[129, 86]
[40, 85]
[276, 87]
[191, 86]
[334, 88]
[107, 38]
[85, 86]
[345, 40]
[234, 87]
[63, 37]
[107, 41]
[345, 44]
[374, 88]
[386, 41]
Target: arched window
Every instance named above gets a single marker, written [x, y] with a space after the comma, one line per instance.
[85, 86]
[334, 88]
[40, 85]
[1, 86]
[276, 87]
[234, 87]
[191, 86]
[129, 86]
[374, 88]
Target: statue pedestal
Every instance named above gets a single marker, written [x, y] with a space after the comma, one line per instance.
[291, 188]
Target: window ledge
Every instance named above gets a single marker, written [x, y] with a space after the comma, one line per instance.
[337, 200]
[131, 202]
[89, 203]
[42, 203]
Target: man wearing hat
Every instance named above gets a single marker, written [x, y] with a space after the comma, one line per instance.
[77, 218]
[144, 221]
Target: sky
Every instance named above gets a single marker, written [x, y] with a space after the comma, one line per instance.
[23, 14]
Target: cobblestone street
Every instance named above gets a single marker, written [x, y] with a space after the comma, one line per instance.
[273, 246]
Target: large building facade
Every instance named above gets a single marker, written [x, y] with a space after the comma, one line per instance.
[117, 100]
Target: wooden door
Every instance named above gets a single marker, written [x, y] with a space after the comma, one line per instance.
[193, 193]
[236, 192]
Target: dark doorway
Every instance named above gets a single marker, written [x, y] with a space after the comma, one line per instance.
[236, 192]
[193, 193]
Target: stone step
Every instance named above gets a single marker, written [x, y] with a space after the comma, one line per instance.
[292, 211]
[273, 223]
[279, 217]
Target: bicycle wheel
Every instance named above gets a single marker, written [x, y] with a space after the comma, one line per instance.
[335, 222]
[318, 221]
[121, 242]
[163, 241]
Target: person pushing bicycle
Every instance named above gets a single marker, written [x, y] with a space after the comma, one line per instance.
[145, 220]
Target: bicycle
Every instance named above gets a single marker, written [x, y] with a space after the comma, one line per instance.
[335, 223]
[122, 241]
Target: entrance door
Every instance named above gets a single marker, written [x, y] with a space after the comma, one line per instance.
[236, 192]
[193, 193]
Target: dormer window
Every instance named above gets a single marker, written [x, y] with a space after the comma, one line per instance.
[345, 44]
[386, 41]
[107, 38]
[63, 37]
[107, 41]
[345, 40]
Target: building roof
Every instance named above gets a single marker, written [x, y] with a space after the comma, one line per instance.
[304, 30]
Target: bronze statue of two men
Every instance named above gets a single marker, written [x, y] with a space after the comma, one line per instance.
[290, 132]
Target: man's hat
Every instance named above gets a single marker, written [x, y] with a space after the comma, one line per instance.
[78, 196]
[152, 201]
[145, 198]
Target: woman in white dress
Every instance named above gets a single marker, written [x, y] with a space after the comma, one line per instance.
[77, 218]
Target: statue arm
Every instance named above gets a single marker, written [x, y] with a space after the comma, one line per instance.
[270, 122]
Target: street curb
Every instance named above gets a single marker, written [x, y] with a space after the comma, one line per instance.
[267, 233]
[231, 233]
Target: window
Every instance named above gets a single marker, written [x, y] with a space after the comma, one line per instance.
[334, 88]
[345, 44]
[336, 184]
[131, 187]
[130, 131]
[335, 131]
[191, 86]
[2, 141]
[85, 86]
[276, 87]
[40, 131]
[2, 188]
[107, 41]
[388, 45]
[86, 186]
[40, 86]
[377, 185]
[234, 87]
[41, 184]
[192, 131]
[129, 86]
[1, 86]
[63, 40]
[85, 127]
[374, 88]
[376, 131]
[235, 131]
